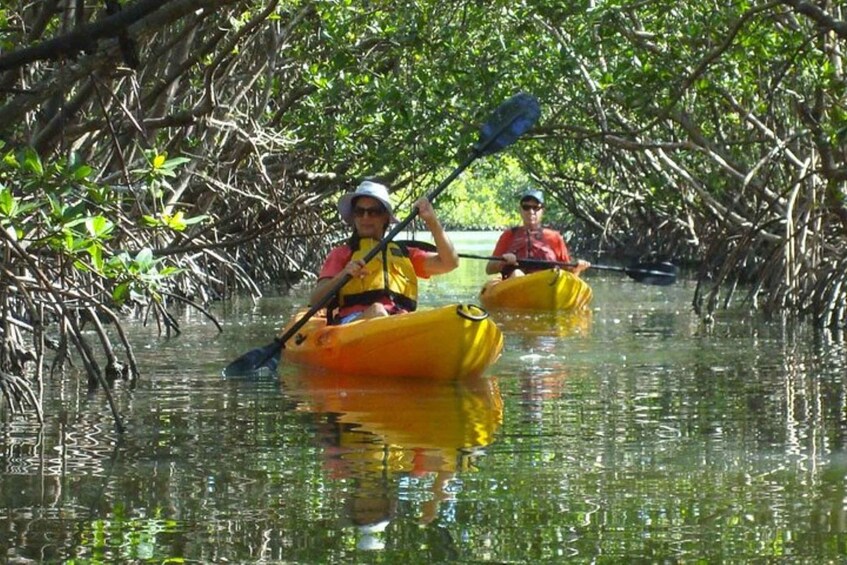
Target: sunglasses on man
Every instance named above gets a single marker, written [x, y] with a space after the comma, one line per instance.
[533, 207]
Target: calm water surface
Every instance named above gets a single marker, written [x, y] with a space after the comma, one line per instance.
[626, 433]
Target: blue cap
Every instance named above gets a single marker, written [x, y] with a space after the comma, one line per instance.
[533, 193]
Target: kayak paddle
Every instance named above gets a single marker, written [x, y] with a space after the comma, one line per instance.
[659, 273]
[509, 121]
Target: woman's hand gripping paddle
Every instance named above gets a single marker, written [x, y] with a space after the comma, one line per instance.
[509, 121]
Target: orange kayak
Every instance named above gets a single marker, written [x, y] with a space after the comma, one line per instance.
[450, 342]
[551, 289]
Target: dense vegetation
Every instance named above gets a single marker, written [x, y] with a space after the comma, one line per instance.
[167, 153]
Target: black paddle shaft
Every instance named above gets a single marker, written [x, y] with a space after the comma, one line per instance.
[651, 273]
[660, 274]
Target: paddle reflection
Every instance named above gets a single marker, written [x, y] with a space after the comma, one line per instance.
[390, 436]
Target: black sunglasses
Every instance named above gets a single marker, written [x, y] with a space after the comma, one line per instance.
[529, 207]
[361, 212]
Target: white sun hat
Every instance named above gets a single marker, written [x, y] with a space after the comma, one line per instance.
[367, 188]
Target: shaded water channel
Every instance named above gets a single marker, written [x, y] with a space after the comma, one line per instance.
[630, 432]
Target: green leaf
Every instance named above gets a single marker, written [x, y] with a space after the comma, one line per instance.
[96, 253]
[32, 162]
[170, 270]
[98, 226]
[11, 161]
[174, 222]
[82, 172]
[8, 203]
[120, 293]
[171, 164]
[118, 262]
[150, 221]
[144, 259]
[196, 219]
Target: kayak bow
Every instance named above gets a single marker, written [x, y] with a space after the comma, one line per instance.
[450, 342]
[551, 289]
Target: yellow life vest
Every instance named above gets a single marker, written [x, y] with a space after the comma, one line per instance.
[391, 275]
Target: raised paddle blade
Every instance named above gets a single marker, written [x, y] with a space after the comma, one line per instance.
[258, 362]
[510, 120]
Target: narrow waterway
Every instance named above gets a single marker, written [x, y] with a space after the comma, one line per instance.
[630, 432]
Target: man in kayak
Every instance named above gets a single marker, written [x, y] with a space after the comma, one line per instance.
[388, 284]
[530, 241]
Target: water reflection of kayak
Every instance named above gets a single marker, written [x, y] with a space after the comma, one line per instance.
[445, 343]
[527, 325]
[403, 425]
[551, 289]
[376, 434]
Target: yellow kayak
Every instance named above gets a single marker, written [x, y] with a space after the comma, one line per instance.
[450, 342]
[551, 289]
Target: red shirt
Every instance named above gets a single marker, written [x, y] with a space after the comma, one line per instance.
[553, 239]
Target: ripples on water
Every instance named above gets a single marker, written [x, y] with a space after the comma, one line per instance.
[630, 432]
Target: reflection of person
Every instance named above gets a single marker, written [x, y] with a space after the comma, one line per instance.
[380, 437]
[531, 241]
[371, 506]
[373, 469]
[388, 284]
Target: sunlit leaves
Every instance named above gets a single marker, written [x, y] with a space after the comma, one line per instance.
[99, 227]
[32, 162]
[10, 160]
[156, 176]
[8, 203]
[55, 207]
[176, 222]
[82, 172]
[136, 275]
[160, 165]
[405, 85]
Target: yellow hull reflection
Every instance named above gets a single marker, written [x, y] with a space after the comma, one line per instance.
[527, 326]
[403, 425]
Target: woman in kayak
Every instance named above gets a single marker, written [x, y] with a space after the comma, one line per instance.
[388, 284]
[530, 241]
